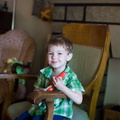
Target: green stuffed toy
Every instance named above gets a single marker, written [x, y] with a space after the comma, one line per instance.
[19, 69]
[21, 89]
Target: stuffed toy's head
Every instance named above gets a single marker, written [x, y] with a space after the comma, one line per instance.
[9, 62]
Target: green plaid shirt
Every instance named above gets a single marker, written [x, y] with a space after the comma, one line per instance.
[62, 107]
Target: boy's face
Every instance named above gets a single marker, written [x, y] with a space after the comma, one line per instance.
[58, 56]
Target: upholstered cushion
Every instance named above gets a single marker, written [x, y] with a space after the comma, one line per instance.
[86, 60]
[17, 109]
[79, 114]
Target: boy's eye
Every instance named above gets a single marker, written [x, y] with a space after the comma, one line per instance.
[50, 53]
[59, 53]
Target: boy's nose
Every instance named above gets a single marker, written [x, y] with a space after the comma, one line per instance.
[54, 56]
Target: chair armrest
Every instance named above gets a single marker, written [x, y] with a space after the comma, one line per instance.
[36, 97]
[17, 76]
[48, 97]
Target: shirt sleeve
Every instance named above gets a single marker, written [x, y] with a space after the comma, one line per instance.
[40, 83]
[75, 85]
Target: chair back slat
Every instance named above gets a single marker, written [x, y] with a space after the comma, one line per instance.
[86, 34]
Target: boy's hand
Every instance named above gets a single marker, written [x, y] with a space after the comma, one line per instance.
[54, 81]
[58, 83]
[39, 89]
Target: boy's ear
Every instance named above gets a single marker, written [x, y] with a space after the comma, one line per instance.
[69, 57]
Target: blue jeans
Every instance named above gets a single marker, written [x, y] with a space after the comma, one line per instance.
[27, 116]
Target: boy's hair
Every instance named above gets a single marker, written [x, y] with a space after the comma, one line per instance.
[62, 41]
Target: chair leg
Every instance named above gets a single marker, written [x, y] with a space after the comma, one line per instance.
[4, 109]
[50, 109]
[7, 101]
[8, 118]
[92, 110]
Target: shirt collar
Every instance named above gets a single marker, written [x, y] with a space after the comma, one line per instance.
[48, 71]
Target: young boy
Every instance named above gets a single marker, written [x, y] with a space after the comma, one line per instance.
[59, 53]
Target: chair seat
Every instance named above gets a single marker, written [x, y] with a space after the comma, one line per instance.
[79, 113]
[15, 110]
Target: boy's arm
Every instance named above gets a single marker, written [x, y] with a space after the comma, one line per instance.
[76, 96]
